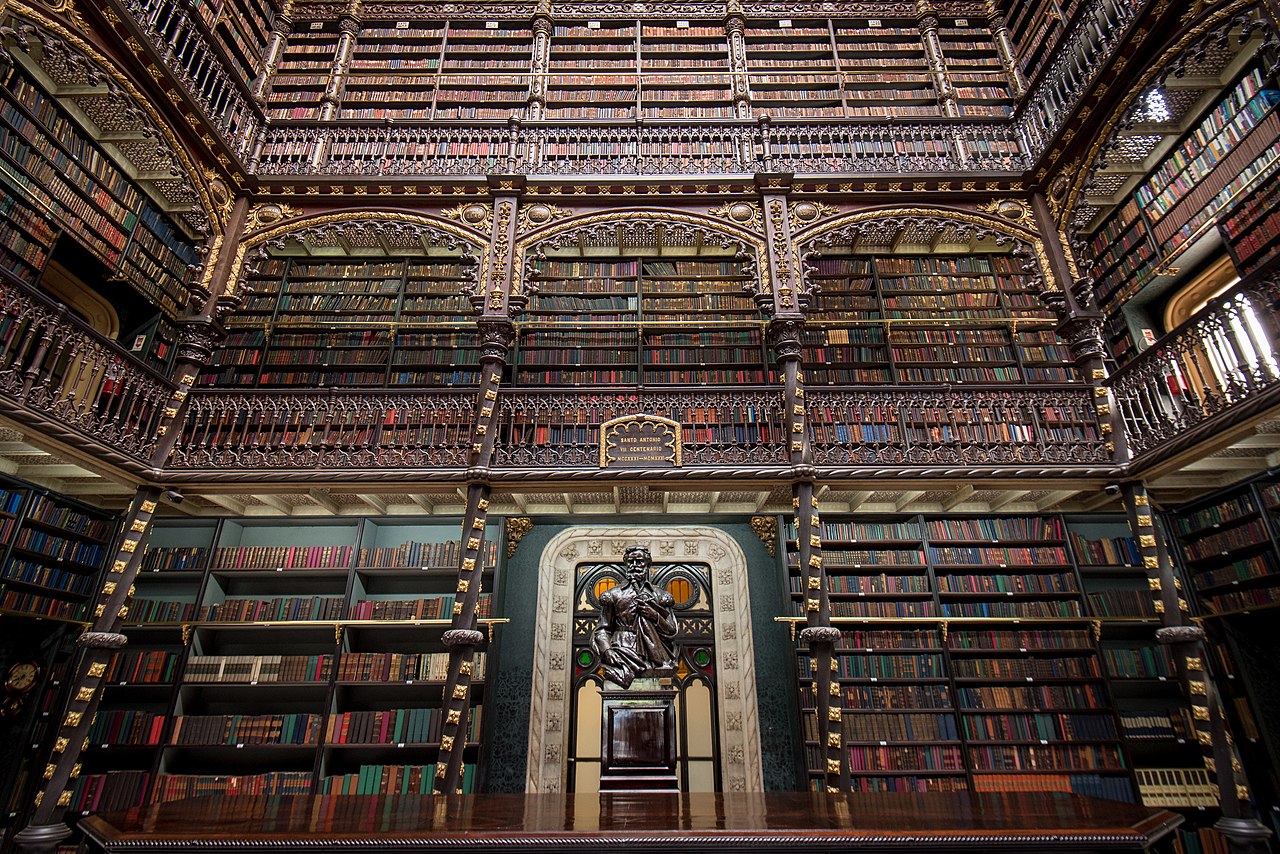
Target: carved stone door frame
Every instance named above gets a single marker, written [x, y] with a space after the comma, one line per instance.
[741, 769]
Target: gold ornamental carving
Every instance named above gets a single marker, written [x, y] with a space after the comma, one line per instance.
[766, 528]
[745, 214]
[269, 213]
[537, 215]
[1013, 210]
[641, 441]
[517, 528]
[810, 212]
[476, 215]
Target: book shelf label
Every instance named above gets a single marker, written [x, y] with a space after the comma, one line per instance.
[640, 441]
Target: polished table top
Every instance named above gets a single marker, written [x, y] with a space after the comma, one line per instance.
[798, 821]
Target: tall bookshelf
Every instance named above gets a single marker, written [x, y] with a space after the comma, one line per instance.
[640, 320]
[1036, 29]
[61, 184]
[337, 323]
[593, 70]
[883, 68]
[939, 319]
[282, 659]
[55, 552]
[685, 71]
[240, 29]
[394, 70]
[974, 69]
[1228, 544]
[967, 661]
[792, 69]
[478, 70]
[303, 74]
[1218, 171]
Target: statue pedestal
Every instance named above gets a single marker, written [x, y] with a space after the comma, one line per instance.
[638, 738]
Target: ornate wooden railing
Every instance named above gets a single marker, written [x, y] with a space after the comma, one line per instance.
[1213, 369]
[58, 371]
[707, 147]
[559, 431]
[174, 31]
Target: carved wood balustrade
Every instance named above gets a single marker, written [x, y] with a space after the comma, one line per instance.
[57, 368]
[872, 428]
[708, 147]
[1221, 362]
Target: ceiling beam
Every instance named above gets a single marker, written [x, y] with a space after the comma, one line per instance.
[276, 503]
[1010, 496]
[226, 502]
[423, 501]
[568, 501]
[857, 499]
[53, 470]
[322, 498]
[905, 498]
[1055, 497]
[377, 502]
[958, 497]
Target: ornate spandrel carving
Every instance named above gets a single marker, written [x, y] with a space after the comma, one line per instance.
[766, 529]
[517, 528]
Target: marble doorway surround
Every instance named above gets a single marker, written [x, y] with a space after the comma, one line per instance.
[741, 769]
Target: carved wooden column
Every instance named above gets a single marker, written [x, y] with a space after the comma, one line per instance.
[735, 30]
[782, 274]
[1004, 47]
[543, 27]
[331, 100]
[281, 26]
[928, 23]
[197, 337]
[494, 296]
[1245, 834]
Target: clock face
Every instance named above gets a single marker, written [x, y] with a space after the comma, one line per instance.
[22, 677]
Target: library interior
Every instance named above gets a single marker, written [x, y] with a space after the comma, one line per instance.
[928, 349]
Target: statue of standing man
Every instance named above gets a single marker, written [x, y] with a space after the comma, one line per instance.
[637, 625]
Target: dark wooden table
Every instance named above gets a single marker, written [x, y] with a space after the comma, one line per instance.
[627, 822]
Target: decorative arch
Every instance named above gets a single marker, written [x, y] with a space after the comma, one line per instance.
[636, 227]
[387, 229]
[79, 55]
[741, 767]
[1065, 193]
[884, 225]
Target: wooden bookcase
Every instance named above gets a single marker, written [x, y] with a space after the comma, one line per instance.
[240, 29]
[61, 184]
[640, 321]
[1219, 170]
[910, 319]
[277, 659]
[883, 69]
[968, 660]
[974, 69]
[55, 552]
[479, 71]
[1251, 229]
[394, 70]
[684, 72]
[593, 70]
[304, 70]
[386, 321]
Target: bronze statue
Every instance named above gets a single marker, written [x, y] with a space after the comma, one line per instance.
[637, 625]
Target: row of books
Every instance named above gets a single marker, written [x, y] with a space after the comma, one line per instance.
[1042, 726]
[1051, 757]
[1003, 556]
[1037, 667]
[402, 667]
[873, 666]
[59, 548]
[395, 726]
[1170, 725]
[1058, 582]
[52, 578]
[120, 727]
[245, 729]
[392, 780]
[281, 608]
[1123, 604]
[254, 669]
[1144, 662]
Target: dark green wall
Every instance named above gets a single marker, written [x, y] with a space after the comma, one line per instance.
[508, 683]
